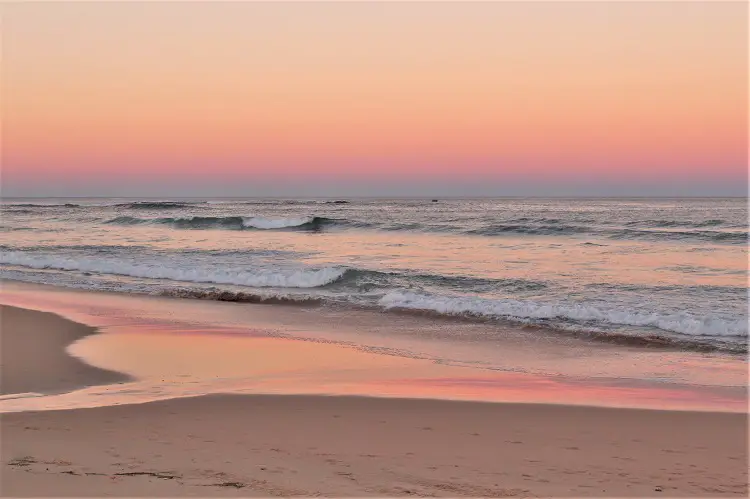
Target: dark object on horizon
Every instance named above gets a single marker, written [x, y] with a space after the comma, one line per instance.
[434, 200]
[337, 202]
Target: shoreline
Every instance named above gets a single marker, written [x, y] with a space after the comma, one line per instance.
[177, 348]
[666, 341]
[35, 357]
[261, 445]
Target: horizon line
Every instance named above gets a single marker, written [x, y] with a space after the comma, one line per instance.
[746, 196]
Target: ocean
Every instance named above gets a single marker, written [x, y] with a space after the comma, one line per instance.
[666, 273]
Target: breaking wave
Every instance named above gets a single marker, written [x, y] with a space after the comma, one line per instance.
[430, 294]
[289, 278]
[683, 323]
[229, 223]
[215, 294]
[282, 223]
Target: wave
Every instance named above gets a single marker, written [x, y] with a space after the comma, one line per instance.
[498, 229]
[290, 202]
[676, 223]
[270, 202]
[160, 205]
[365, 281]
[215, 294]
[187, 222]
[40, 205]
[279, 278]
[476, 284]
[683, 323]
[283, 223]
[18, 211]
[399, 292]
[230, 222]
[716, 236]
[551, 227]
[740, 237]
[108, 259]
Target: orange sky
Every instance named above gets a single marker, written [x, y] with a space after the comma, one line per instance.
[97, 96]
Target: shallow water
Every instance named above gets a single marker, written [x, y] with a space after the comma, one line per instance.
[643, 271]
[180, 348]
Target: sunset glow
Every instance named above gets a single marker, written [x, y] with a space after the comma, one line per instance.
[174, 97]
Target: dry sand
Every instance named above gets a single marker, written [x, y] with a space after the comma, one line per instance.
[33, 357]
[260, 445]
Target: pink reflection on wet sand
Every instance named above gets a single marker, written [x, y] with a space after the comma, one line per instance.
[178, 348]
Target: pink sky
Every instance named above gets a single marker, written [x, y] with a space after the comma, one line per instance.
[100, 96]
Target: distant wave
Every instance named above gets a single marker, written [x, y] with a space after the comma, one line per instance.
[676, 223]
[99, 249]
[160, 205]
[18, 211]
[270, 202]
[291, 278]
[230, 223]
[551, 227]
[733, 237]
[289, 202]
[547, 229]
[39, 205]
[739, 237]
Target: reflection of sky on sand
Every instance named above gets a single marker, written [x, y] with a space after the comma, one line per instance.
[169, 366]
[179, 348]
[611, 393]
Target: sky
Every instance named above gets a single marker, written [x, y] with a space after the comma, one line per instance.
[374, 98]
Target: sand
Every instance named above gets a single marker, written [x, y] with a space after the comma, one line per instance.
[271, 445]
[347, 446]
[33, 357]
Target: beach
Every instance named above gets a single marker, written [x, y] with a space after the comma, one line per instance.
[346, 446]
[374, 249]
[34, 358]
[546, 348]
[281, 445]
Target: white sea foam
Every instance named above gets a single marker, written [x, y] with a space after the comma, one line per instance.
[156, 269]
[274, 223]
[682, 322]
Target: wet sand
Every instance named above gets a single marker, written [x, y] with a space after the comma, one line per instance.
[33, 357]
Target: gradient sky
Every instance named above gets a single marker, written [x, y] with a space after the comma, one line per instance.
[285, 99]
